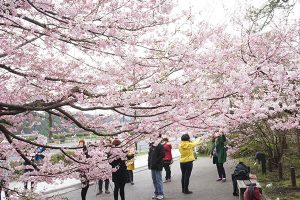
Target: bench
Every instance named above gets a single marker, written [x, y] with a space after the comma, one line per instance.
[242, 186]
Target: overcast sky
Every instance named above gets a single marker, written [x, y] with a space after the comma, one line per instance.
[220, 11]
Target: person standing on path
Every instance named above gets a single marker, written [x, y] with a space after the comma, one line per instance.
[155, 163]
[119, 177]
[84, 185]
[107, 145]
[130, 166]
[168, 159]
[219, 154]
[186, 161]
[28, 168]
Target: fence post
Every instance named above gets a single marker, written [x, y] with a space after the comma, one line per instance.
[280, 173]
[263, 166]
[293, 177]
[270, 165]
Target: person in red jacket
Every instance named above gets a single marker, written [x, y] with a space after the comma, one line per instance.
[168, 159]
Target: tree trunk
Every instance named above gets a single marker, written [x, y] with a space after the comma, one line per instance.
[270, 165]
[50, 135]
[298, 139]
[280, 171]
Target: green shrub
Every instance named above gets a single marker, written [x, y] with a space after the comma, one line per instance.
[55, 158]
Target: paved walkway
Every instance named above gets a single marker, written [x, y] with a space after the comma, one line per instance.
[202, 184]
[61, 186]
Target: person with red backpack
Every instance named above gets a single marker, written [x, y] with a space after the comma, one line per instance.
[252, 193]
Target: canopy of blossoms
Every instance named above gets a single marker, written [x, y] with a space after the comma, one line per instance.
[162, 68]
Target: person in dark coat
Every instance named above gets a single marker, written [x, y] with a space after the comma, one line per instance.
[119, 177]
[155, 163]
[219, 154]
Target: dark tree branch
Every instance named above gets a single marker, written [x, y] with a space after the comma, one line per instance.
[11, 70]
[70, 117]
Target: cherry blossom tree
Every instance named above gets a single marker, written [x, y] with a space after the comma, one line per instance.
[162, 68]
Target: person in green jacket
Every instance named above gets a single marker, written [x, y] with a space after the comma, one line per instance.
[219, 154]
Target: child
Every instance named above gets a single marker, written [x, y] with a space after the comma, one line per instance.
[130, 166]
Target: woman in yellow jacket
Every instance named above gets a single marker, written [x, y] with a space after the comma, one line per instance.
[186, 161]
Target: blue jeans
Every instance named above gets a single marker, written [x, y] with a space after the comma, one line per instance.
[157, 182]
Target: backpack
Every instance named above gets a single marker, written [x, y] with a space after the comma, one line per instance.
[241, 175]
[252, 193]
[241, 172]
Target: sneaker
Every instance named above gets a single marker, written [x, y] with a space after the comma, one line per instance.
[160, 197]
[219, 179]
[235, 194]
[224, 180]
[154, 197]
[107, 192]
[132, 183]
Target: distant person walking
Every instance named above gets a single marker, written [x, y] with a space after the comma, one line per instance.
[119, 177]
[155, 163]
[186, 161]
[219, 154]
[168, 159]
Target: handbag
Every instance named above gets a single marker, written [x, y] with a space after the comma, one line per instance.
[195, 155]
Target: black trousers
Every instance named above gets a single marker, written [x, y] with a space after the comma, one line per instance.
[234, 183]
[221, 170]
[100, 183]
[83, 192]
[186, 170]
[167, 169]
[130, 174]
[119, 187]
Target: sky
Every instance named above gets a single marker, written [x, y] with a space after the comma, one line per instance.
[221, 11]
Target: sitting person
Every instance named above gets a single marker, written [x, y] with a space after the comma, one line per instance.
[241, 172]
